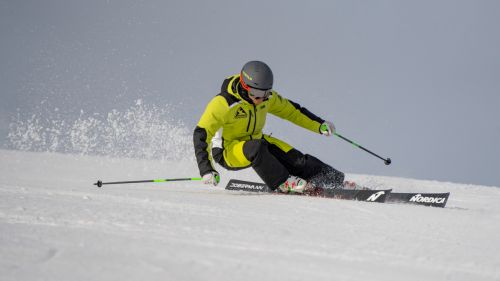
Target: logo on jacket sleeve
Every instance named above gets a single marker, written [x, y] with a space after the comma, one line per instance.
[240, 113]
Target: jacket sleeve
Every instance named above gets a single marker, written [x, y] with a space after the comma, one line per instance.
[210, 122]
[294, 113]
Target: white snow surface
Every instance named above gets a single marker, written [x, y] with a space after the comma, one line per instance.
[56, 225]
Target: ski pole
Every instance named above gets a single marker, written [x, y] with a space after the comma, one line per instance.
[99, 183]
[386, 161]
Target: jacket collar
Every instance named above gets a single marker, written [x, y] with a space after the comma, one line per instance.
[234, 88]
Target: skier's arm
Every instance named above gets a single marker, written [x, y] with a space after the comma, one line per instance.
[210, 122]
[294, 113]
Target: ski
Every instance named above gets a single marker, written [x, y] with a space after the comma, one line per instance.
[346, 194]
[380, 196]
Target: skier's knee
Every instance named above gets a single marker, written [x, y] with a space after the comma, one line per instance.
[253, 149]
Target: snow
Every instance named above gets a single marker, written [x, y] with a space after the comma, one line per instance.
[56, 225]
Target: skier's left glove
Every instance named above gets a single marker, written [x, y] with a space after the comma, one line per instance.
[211, 178]
[327, 128]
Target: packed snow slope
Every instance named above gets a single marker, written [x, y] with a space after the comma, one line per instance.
[55, 225]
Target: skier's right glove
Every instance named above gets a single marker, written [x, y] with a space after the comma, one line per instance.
[211, 178]
[327, 128]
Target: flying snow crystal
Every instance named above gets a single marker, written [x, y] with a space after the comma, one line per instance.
[142, 131]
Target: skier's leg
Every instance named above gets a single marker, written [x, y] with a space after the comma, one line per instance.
[305, 166]
[269, 169]
[243, 154]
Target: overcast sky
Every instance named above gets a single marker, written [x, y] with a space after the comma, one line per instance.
[417, 81]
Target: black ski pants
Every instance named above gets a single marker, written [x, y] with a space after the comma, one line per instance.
[274, 163]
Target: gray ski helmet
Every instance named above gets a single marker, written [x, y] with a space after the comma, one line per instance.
[257, 74]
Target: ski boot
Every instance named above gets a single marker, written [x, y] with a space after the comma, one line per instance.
[293, 185]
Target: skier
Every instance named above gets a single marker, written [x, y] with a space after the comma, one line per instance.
[230, 132]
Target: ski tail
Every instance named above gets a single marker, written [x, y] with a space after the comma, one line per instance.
[234, 184]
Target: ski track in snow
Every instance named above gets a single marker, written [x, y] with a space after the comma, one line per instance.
[55, 225]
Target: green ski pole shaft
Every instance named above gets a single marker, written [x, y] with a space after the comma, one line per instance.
[386, 161]
[99, 183]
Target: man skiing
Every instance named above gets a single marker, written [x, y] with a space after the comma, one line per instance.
[230, 132]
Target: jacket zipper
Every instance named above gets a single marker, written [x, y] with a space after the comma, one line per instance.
[255, 119]
[249, 120]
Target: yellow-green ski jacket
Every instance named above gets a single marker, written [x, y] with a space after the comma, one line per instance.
[241, 120]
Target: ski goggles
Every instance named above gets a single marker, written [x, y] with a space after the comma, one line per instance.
[259, 94]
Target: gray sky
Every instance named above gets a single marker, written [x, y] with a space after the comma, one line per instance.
[417, 81]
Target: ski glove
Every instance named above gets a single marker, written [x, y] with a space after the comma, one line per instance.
[211, 178]
[327, 128]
